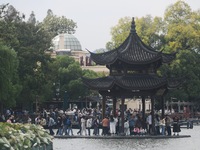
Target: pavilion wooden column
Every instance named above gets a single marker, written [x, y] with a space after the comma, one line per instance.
[114, 106]
[103, 106]
[152, 114]
[163, 106]
[179, 106]
[122, 113]
[143, 108]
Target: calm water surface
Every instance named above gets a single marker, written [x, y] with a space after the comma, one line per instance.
[192, 143]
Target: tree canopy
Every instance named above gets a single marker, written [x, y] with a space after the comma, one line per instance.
[177, 31]
[9, 87]
[24, 44]
[55, 24]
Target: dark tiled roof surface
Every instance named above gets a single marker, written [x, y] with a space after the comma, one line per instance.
[132, 51]
[137, 53]
[134, 82]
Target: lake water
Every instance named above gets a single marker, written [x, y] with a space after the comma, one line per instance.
[191, 143]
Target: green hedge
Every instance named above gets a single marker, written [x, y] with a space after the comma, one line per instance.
[24, 137]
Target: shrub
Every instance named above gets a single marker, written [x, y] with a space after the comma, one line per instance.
[23, 136]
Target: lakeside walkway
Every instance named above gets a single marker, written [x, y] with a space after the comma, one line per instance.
[122, 137]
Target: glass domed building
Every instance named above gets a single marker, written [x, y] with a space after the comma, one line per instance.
[68, 44]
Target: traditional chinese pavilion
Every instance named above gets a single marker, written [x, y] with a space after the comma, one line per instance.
[133, 72]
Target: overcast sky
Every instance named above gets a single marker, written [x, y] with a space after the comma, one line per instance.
[95, 17]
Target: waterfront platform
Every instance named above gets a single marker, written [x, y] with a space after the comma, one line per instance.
[122, 137]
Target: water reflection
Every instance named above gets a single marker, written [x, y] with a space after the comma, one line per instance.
[192, 143]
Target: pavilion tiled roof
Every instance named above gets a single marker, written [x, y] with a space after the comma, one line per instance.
[132, 51]
[132, 82]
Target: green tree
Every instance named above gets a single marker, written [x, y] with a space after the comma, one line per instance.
[150, 31]
[33, 66]
[182, 33]
[119, 33]
[9, 87]
[91, 74]
[179, 31]
[67, 72]
[8, 15]
[38, 73]
[30, 42]
[56, 25]
[32, 18]
[181, 27]
[148, 28]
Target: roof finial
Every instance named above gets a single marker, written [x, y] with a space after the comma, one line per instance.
[133, 26]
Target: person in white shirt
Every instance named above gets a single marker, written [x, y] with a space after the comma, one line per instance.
[126, 127]
[37, 119]
[83, 125]
[113, 122]
[89, 125]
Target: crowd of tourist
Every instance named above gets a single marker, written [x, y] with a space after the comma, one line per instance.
[89, 121]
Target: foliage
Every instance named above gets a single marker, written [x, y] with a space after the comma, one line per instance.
[10, 14]
[56, 25]
[30, 43]
[119, 33]
[182, 34]
[33, 66]
[9, 87]
[148, 28]
[32, 19]
[100, 50]
[22, 136]
[151, 31]
[67, 72]
[91, 74]
[178, 31]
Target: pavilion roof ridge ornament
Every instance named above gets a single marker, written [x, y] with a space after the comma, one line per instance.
[132, 51]
[133, 26]
[88, 50]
